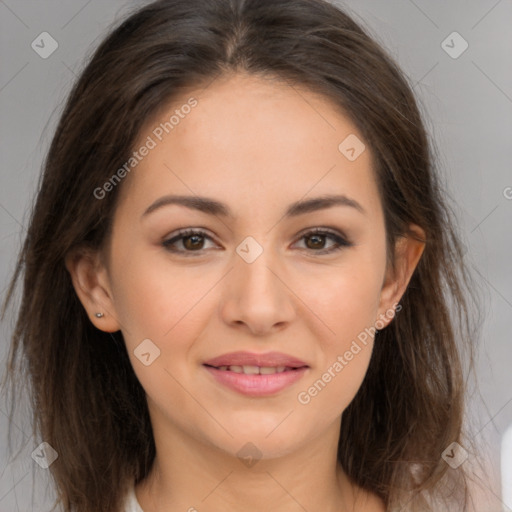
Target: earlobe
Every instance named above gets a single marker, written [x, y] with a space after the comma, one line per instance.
[89, 278]
[408, 252]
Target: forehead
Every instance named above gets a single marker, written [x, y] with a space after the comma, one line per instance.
[251, 138]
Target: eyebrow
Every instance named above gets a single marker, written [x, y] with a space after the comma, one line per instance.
[213, 207]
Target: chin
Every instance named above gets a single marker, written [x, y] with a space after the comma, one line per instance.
[261, 440]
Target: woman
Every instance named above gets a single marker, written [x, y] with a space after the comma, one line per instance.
[238, 273]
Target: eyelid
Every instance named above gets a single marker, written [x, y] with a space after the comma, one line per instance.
[183, 233]
[324, 230]
[339, 237]
[336, 234]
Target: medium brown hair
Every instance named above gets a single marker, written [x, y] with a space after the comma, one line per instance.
[87, 402]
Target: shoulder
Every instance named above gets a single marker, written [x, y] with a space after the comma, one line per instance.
[131, 504]
[365, 500]
[374, 504]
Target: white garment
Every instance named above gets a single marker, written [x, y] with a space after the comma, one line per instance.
[131, 504]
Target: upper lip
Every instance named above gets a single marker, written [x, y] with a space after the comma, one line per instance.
[268, 359]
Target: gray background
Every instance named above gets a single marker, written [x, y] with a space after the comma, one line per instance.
[467, 104]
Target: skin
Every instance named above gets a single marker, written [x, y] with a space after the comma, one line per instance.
[257, 145]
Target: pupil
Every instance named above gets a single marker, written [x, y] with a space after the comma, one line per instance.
[196, 243]
[317, 240]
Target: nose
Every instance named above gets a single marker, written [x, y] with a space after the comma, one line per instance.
[257, 296]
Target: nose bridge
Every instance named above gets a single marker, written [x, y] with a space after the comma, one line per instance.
[253, 263]
[256, 295]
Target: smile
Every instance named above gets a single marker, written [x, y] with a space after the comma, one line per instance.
[254, 370]
[254, 380]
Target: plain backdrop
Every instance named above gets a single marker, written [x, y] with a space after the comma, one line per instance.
[467, 103]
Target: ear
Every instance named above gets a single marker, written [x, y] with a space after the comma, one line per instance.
[90, 280]
[408, 251]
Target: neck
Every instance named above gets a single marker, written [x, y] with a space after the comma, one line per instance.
[189, 475]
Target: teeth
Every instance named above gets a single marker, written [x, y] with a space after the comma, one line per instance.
[251, 370]
[255, 370]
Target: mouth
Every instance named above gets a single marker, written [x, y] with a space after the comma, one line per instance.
[257, 380]
[256, 370]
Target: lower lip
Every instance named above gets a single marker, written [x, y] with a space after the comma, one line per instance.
[257, 385]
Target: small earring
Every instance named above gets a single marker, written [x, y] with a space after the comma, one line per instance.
[99, 315]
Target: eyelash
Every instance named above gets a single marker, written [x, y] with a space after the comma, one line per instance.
[341, 241]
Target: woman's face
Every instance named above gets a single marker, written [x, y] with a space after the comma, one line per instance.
[251, 158]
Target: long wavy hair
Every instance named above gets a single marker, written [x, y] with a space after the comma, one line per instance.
[86, 400]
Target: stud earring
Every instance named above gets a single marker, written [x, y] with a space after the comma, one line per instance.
[99, 315]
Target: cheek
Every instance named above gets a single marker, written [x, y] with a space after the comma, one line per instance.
[347, 300]
[154, 300]
[334, 387]
[345, 354]
[168, 312]
[169, 309]
[348, 304]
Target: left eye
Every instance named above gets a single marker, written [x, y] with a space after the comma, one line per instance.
[193, 241]
[318, 237]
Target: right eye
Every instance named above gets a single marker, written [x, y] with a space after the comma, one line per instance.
[192, 241]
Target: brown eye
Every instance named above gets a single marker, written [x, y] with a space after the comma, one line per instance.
[316, 241]
[317, 238]
[191, 241]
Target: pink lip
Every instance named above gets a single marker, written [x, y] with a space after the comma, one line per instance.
[257, 385]
[253, 359]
